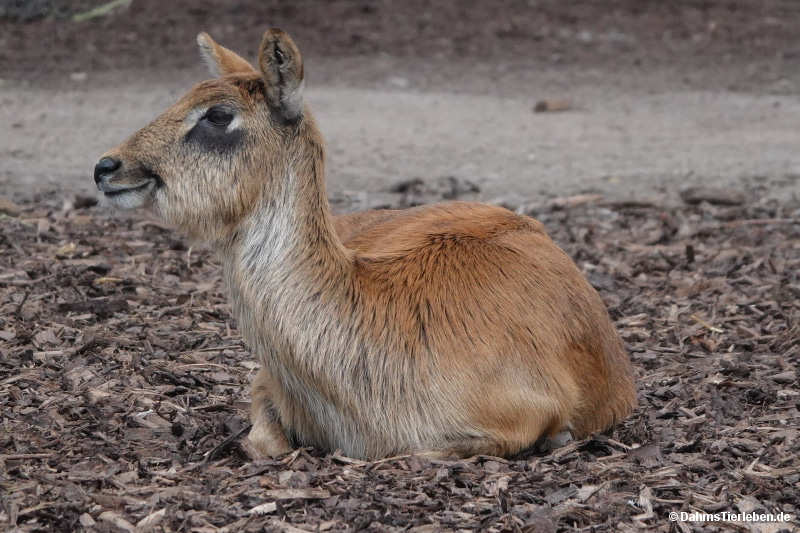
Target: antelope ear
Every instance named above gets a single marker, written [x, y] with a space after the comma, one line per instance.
[219, 60]
[282, 67]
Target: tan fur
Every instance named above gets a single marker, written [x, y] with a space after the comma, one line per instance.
[457, 328]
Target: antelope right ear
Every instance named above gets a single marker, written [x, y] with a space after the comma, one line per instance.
[219, 60]
[282, 67]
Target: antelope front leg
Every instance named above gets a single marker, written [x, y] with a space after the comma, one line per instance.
[266, 438]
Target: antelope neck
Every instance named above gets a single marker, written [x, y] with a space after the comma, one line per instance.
[287, 251]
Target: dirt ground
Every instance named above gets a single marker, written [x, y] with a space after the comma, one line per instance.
[123, 380]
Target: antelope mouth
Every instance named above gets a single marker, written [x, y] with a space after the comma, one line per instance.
[112, 191]
[148, 180]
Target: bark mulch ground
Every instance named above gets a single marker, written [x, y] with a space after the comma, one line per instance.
[124, 386]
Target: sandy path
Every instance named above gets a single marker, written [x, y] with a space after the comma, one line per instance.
[621, 140]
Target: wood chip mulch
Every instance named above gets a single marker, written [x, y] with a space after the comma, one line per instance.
[124, 387]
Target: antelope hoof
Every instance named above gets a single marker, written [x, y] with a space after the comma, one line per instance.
[262, 443]
[548, 444]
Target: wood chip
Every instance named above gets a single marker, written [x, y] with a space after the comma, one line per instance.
[117, 520]
[713, 195]
[9, 208]
[297, 494]
[264, 508]
[150, 521]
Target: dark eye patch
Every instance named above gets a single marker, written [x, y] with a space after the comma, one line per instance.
[210, 133]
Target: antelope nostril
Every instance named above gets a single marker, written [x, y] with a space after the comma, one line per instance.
[106, 165]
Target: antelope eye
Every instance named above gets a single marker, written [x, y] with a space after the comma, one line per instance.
[219, 116]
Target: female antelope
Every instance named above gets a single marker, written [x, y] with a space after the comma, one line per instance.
[451, 329]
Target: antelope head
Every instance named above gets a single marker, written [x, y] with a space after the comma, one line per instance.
[224, 148]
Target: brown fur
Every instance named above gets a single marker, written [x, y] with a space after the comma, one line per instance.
[457, 328]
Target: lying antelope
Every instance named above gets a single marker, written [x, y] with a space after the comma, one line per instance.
[451, 329]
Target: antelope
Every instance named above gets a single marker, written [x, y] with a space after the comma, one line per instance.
[453, 329]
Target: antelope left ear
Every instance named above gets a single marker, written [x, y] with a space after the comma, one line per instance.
[282, 67]
[219, 60]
